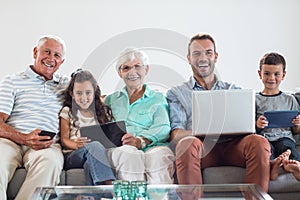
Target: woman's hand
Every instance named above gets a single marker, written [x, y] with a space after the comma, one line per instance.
[129, 139]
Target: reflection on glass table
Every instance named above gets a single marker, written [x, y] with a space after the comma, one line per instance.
[155, 192]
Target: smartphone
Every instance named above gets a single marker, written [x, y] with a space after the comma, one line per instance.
[47, 133]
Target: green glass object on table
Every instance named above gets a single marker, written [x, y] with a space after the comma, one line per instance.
[125, 191]
[140, 190]
[121, 189]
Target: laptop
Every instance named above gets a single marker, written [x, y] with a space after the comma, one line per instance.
[223, 112]
[108, 134]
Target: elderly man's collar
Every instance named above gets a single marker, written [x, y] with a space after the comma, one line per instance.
[31, 73]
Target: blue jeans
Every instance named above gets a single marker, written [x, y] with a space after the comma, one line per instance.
[281, 145]
[93, 159]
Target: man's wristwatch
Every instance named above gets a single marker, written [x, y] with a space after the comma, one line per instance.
[143, 142]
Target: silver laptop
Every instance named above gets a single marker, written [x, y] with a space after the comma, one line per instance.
[225, 112]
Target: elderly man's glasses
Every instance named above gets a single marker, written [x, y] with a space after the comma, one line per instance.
[125, 68]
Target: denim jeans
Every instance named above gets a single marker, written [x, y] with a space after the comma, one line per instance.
[93, 159]
[281, 145]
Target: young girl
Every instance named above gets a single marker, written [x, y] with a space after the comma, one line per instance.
[82, 107]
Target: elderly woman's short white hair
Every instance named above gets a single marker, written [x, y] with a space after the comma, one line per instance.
[130, 54]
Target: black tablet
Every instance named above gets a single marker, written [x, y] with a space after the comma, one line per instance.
[281, 118]
[109, 134]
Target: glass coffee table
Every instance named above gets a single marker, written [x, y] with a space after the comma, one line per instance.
[155, 192]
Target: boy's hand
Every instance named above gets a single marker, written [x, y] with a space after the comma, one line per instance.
[296, 121]
[261, 122]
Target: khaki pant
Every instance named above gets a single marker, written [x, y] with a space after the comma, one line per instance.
[156, 165]
[43, 167]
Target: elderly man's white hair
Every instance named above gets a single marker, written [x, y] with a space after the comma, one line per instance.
[44, 38]
[130, 54]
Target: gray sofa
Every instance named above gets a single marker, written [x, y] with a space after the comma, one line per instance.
[285, 187]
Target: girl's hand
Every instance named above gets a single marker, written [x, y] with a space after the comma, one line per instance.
[261, 122]
[296, 121]
[81, 141]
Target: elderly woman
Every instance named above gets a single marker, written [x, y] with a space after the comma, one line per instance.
[144, 154]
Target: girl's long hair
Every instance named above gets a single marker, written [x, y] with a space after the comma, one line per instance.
[101, 111]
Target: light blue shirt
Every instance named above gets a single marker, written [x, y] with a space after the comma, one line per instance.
[180, 101]
[147, 117]
[32, 102]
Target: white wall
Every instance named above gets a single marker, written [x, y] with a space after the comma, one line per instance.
[95, 29]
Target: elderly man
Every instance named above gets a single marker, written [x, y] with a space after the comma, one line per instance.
[30, 102]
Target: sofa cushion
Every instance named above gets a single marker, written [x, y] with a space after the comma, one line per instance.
[285, 182]
[16, 182]
[18, 179]
[75, 177]
[224, 174]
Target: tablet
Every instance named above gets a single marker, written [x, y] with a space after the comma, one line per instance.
[109, 134]
[281, 118]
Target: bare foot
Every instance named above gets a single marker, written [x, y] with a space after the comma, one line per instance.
[292, 166]
[277, 162]
[275, 166]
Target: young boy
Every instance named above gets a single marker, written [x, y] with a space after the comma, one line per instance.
[283, 145]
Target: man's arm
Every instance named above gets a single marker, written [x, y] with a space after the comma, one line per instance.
[32, 140]
[8, 132]
[178, 134]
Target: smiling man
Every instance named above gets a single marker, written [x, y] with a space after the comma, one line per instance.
[250, 151]
[30, 102]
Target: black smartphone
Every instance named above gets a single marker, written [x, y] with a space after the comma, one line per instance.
[47, 133]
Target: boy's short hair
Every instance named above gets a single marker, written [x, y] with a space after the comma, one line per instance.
[272, 59]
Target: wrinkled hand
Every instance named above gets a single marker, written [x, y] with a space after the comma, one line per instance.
[296, 121]
[81, 141]
[261, 122]
[129, 139]
[34, 141]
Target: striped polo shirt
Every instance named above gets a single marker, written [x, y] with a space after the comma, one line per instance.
[32, 102]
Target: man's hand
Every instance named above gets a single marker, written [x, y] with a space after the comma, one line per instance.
[37, 142]
[177, 134]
